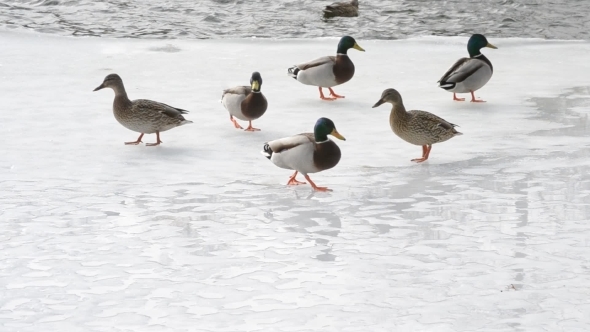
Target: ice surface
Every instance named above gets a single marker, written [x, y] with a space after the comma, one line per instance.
[201, 233]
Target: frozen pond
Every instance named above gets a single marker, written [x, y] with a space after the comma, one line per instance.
[201, 233]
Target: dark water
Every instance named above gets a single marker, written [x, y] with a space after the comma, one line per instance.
[378, 19]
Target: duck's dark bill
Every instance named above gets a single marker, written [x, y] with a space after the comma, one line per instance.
[99, 87]
[380, 102]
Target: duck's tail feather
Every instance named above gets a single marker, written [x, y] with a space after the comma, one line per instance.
[266, 151]
[446, 85]
[293, 71]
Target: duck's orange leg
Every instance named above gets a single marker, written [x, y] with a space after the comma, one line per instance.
[316, 188]
[428, 151]
[236, 124]
[322, 95]
[157, 140]
[457, 99]
[333, 94]
[135, 142]
[473, 100]
[293, 181]
[250, 128]
[425, 153]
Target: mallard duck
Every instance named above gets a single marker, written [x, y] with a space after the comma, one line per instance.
[246, 103]
[469, 74]
[307, 152]
[142, 115]
[416, 127]
[344, 9]
[328, 71]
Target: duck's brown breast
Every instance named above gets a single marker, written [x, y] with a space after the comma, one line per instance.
[254, 106]
[326, 155]
[343, 69]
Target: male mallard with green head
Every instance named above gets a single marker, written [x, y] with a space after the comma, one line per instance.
[246, 103]
[469, 74]
[307, 152]
[328, 71]
[343, 9]
[142, 115]
[416, 127]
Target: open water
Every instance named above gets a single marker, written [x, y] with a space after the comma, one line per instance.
[378, 19]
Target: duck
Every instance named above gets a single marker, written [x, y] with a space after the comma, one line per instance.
[328, 71]
[468, 75]
[246, 103]
[416, 127]
[343, 9]
[142, 115]
[306, 153]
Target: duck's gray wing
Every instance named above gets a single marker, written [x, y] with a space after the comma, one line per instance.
[238, 90]
[317, 62]
[287, 143]
[462, 69]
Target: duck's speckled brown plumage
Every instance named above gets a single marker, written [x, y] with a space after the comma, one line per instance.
[342, 9]
[146, 116]
[142, 115]
[420, 127]
[416, 127]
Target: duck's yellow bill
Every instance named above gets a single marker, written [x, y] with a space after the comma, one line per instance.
[357, 47]
[255, 85]
[336, 134]
[491, 46]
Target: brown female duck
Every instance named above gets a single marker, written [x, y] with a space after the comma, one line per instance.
[142, 115]
[343, 9]
[416, 127]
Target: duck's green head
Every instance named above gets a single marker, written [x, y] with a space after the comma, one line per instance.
[323, 128]
[256, 81]
[476, 43]
[389, 96]
[346, 43]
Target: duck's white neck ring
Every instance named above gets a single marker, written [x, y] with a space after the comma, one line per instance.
[477, 56]
[255, 91]
[342, 54]
[326, 141]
